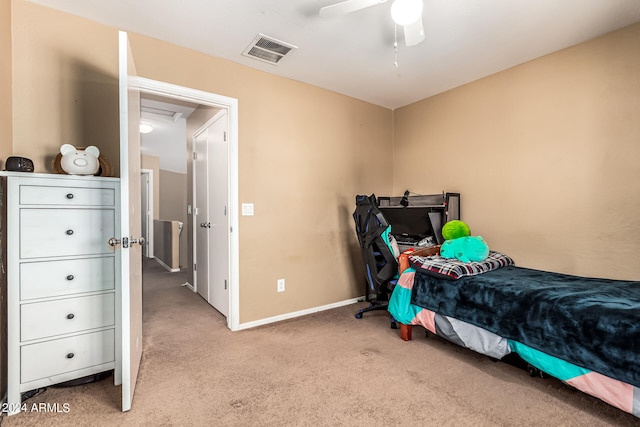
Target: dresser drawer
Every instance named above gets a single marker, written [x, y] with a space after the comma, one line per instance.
[51, 318]
[66, 196]
[66, 277]
[56, 357]
[64, 232]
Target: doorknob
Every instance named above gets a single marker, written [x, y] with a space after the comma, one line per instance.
[113, 242]
[205, 224]
[140, 241]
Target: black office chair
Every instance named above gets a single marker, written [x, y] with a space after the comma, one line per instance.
[381, 266]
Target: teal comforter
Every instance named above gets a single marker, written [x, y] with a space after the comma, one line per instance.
[592, 323]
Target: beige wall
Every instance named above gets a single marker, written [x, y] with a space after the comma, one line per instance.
[545, 155]
[5, 151]
[303, 155]
[65, 86]
[304, 158]
[5, 82]
[304, 152]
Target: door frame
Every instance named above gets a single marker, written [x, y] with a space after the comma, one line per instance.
[150, 201]
[196, 96]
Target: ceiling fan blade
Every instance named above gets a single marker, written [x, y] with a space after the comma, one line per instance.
[414, 33]
[347, 6]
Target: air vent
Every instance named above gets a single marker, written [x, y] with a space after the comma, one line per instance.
[159, 113]
[268, 49]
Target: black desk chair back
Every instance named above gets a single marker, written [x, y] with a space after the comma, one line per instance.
[381, 266]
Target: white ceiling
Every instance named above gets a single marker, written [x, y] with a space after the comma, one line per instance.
[353, 54]
[168, 140]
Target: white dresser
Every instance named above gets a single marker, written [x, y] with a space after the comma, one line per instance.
[62, 298]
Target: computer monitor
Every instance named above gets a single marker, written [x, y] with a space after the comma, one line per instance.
[409, 224]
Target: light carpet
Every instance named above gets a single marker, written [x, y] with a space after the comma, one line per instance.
[324, 369]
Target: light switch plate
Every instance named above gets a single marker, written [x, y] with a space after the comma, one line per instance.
[247, 209]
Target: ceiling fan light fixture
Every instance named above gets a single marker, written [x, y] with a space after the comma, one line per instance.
[146, 128]
[405, 12]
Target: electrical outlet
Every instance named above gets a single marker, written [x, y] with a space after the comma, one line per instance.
[280, 285]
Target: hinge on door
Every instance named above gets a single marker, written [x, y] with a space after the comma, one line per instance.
[195, 156]
[225, 136]
[194, 266]
[225, 284]
[225, 211]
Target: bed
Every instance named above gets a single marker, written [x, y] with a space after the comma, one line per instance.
[583, 331]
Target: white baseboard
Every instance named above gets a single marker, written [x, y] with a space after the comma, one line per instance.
[188, 285]
[295, 314]
[173, 270]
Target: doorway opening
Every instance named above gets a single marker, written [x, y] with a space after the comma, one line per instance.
[203, 105]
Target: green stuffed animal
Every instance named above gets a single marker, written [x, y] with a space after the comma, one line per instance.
[454, 229]
[460, 244]
[465, 249]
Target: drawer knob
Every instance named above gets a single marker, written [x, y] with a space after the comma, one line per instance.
[70, 196]
[70, 316]
[70, 355]
[69, 232]
[70, 277]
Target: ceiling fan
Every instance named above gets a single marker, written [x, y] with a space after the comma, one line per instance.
[407, 13]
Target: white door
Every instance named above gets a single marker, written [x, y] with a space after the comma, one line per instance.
[130, 275]
[212, 214]
[201, 215]
[218, 210]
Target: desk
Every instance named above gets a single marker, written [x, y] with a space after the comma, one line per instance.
[420, 216]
